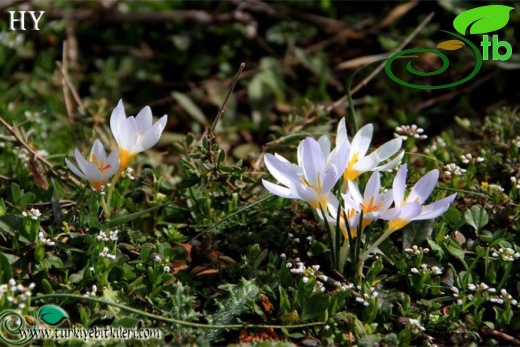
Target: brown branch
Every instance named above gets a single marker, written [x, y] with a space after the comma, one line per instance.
[380, 67]
[485, 330]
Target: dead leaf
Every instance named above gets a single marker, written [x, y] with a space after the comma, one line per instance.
[451, 45]
[397, 13]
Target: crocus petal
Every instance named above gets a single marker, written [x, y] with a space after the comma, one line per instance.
[74, 169]
[387, 199]
[280, 170]
[339, 157]
[373, 186]
[113, 164]
[128, 133]
[399, 185]
[278, 190]
[424, 187]
[92, 172]
[391, 163]
[435, 209]
[341, 135]
[117, 117]
[410, 211]
[361, 141]
[82, 162]
[307, 194]
[144, 119]
[367, 163]
[329, 179]
[353, 189]
[98, 151]
[388, 149]
[324, 143]
[151, 136]
[350, 203]
[313, 161]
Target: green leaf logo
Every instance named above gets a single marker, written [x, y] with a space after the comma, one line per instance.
[485, 19]
[52, 315]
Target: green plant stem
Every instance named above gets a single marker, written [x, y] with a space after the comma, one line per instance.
[173, 320]
[108, 211]
[369, 250]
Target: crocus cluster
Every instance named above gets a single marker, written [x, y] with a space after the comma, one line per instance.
[319, 169]
[132, 135]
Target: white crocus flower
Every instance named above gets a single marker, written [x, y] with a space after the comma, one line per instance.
[372, 203]
[358, 162]
[134, 134]
[313, 178]
[347, 216]
[98, 169]
[411, 208]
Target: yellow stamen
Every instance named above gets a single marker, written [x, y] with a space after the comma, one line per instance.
[97, 185]
[350, 173]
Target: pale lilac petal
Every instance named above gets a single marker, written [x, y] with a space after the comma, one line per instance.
[144, 119]
[339, 157]
[435, 209]
[313, 161]
[350, 203]
[388, 149]
[367, 163]
[354, 192]
[330, 179]
[113, 161]
[373, 186]
[324, 143]
[151, 136]
[391, 163]
[390, 214]
[399, 185]
[410, 211]
[74, 169]
[361, 141]
[99, 151]
[280, 170]
[128, 133]
[92, 172]
[278, 190]
[341, 135]
[117, 117]
[424, 187]
[307, 194]
[387, 199]
[82, 162]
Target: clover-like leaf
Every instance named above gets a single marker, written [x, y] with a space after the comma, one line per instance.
[52, 315]
[485, 19]
[451, 45]
[476, 216]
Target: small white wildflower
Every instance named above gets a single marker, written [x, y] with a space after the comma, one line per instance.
[105, 254]
[309, 238]
[102, 236]
[453, 170]
[157, 258]
[406, 131]
[517, 141]
[416, 326]
[291, 235]
[414, 270]
[305, 279]
[283, 256]
[455, 291]
[113, 235]
[297, 240]
[326, 327]
[315, 267]
[33, 213]
[128, 173]
[300, 268]
[288, 265]
[436, 270]
[166, 269]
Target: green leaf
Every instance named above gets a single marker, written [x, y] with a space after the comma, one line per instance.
[315, 306]
[417, 232]
[128, 218]
[52, 315]
[190, 107]
[476, 216]
[126, 322]
[6, 273]
[483, 19]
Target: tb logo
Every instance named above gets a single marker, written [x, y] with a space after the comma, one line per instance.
[17, 19]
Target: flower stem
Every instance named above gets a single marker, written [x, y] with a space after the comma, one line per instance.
[107, 206]
[363, 256]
